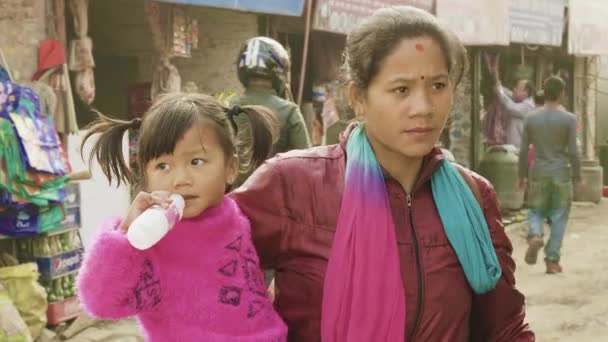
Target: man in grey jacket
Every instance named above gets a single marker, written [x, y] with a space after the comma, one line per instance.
[552, 132]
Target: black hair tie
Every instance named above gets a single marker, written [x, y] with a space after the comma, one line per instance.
[136, 123]
[232, 113]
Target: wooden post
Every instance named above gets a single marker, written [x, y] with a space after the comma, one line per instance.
[475, 108]
[305, 50]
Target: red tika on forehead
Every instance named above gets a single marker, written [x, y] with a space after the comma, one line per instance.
[419, 47]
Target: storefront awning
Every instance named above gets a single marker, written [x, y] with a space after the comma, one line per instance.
[279, 7]
[476, 22]
[588, 26]
[538, 22]
[340, 16]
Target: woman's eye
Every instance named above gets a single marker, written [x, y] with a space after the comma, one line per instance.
[162, 166]
[402, 90]
[439, 85]
[197, 162]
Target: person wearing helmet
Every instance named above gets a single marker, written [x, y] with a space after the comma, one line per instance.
[263, 68]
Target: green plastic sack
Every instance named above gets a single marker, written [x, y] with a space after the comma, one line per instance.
[12, 326]
[27, 294]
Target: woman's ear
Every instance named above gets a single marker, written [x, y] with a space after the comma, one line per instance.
[356, 100]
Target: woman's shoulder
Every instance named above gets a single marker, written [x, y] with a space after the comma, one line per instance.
[293, 177]
[481, 187]
[305, 163]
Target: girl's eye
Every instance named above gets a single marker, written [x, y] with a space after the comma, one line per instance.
[402, 90]
[197, 162]
[162, 166]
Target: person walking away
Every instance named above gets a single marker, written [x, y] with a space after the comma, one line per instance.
[552, 132]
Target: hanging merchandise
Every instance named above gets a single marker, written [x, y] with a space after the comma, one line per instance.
[181, 35]
[166, 79]
[33, 164]
[41, 147]
[81, 52]
[85, 85]
[53, 72]
[4, 74]
[166, 76]
[194, 33]
[185, 33]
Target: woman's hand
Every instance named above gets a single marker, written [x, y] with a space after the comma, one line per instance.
[143, 201]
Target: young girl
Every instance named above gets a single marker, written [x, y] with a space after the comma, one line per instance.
[202, 281]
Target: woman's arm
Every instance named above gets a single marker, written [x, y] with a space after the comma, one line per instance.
[499, 315]
[261, 199]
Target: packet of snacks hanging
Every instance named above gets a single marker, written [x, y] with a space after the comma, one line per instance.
[40, 145]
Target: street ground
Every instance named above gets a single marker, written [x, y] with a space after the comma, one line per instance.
[572, 306]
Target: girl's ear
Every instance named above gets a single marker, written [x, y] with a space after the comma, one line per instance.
[232, 169]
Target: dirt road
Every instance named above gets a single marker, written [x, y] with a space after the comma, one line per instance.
[572, 306]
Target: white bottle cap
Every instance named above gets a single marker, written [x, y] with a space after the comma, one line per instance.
[179, 203]
[147, 229]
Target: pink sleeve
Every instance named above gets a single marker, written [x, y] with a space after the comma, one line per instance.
[112, 283]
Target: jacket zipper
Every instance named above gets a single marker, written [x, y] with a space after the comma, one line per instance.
[418, 268]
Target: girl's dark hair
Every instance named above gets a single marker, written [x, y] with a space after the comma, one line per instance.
[165, 124]
[368, 45]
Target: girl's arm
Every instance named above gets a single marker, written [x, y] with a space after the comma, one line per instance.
[116, 280]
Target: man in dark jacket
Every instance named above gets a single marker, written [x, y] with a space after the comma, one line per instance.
[263, 68]
[552, 132]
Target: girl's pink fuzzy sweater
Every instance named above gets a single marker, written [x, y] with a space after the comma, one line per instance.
[201, 282]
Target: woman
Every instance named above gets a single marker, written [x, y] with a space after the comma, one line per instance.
[377, 238]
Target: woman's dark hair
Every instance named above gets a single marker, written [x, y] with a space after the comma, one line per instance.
[368, 45]
[165, 124]
[554, 87]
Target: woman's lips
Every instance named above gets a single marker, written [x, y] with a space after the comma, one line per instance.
[419, 131]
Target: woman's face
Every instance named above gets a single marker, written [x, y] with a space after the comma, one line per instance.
[407, 102]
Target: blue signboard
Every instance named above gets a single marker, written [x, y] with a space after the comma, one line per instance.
[280, 7]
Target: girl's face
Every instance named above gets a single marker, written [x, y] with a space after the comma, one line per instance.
[408, 101]
[198, 170]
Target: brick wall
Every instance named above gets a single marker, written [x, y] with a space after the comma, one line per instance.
[22, 26]
[121, 29]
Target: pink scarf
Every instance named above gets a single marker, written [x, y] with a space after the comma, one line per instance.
[363, 297]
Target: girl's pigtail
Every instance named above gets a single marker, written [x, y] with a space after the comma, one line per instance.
[108, 148]
[264, 132]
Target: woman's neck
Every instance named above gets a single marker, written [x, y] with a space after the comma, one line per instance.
[403, 169]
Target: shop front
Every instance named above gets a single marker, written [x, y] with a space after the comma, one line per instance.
[587, 24]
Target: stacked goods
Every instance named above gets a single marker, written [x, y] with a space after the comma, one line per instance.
[33, 164]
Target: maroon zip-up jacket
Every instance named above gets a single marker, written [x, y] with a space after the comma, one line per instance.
[293, 202]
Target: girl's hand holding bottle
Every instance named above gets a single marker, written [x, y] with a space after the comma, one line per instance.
[151, 216]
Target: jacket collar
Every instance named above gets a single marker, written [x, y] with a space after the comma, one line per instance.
[430, 163]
